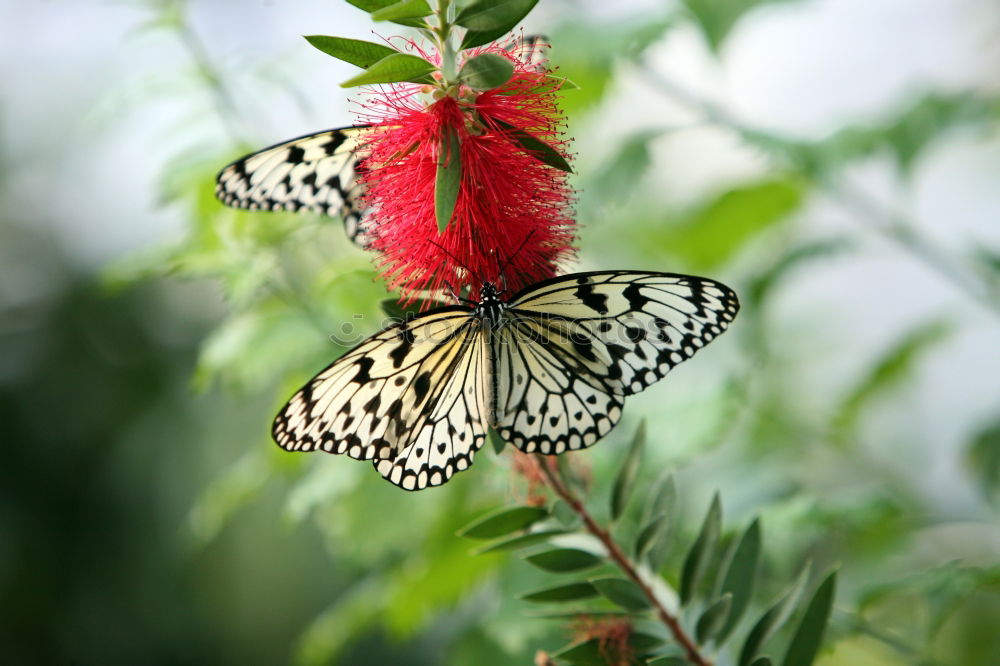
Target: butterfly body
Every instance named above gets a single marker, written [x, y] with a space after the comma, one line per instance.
[548, 368]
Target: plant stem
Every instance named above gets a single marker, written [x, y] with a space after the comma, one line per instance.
[445, 48]
[892, 226]
[550, 470]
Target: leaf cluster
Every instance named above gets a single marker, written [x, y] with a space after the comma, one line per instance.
[717, 577]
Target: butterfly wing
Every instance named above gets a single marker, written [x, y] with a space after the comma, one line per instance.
[544, 404]
[316, 172]
[413, 398]
[585, 341]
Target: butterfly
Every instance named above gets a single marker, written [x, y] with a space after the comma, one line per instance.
[549, 369]
[321, 173]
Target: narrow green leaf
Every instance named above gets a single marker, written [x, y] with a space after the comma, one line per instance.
[593, 653]
[773, 619]
[498, 442]
[625, 480]
[983, 460]
[808, 637]
[520, 541]
[575, 614]
[891, 370]
[658, 517]
[570, 592]
[713, 618]
[738, 580]
[587, 653]
[449, 177]
[486, 71]
[538, 148]
[668, 661]
[407, 9]
[355, 51]
[373, 6]
[761, 661]
[393, 69]
[702, 551]
[643, 643]
[622, 592]
[503, 522]
[564, 560]
[492, 16]
[565, 514]
[724, 224]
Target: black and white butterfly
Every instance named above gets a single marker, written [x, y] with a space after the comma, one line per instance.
[319, 173]
[549, 369]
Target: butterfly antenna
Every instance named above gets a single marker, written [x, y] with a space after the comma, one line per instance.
[506, 264]
[460, 263]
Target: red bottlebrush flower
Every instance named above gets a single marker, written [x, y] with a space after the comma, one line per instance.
[512, 214]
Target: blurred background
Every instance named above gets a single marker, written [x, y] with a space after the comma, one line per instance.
[836, 161]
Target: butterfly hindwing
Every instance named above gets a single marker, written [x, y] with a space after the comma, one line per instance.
[397, 398]
[589, 339]
[317, 172]
[544, 404]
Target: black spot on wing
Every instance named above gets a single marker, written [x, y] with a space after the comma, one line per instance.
[594, 300]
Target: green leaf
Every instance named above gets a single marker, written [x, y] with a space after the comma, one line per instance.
[373, 6]
[983, 460]
[668, 661]
[564, 560]
[536, 147]
[625, 481]
[565, 514]
[570, 592]
[493, 16]
[773, 619]
[761, 661]
[622, 592]
[498, 442]
[587, 653]
[449, 177]
[894, 366]
[486, 71]
[407, 9]
[701, 553]
[593, 653]
[503, 522]
[740, 573]
[712, 619]
[808, 637]
[713, 233]
[393, 69]
[520, 541]
[355, 51]
[657, 520]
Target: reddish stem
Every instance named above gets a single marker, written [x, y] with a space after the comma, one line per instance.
[551, 472]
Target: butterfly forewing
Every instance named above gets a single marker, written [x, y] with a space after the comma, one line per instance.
[626, 328]
[574, 346]
[396, 397]
[317, 172]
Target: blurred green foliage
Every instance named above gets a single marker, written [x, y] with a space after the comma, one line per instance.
[147, 518]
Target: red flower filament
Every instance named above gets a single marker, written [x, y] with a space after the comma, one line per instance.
[512, 223]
